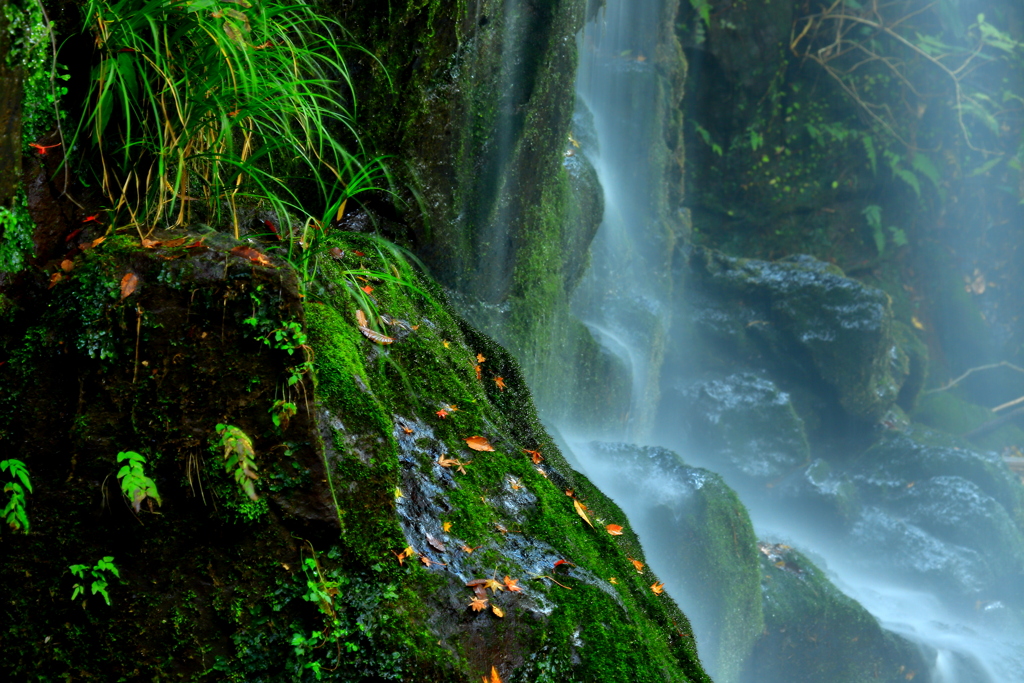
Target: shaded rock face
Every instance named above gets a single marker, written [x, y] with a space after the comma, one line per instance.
[351, 560]
[804, 322]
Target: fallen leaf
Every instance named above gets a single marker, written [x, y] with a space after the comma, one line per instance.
[494, 677]
[570, 493]
[197, 244]
[336, 253]
[96, 242]
[54, 279]
[614, 529]
[67, 265]
[916, 323]
[478, 443]
[581, 510]
[500, 382]
[249, 253]
[501, 529]
[446, 343]
[657, 588]
[442, 413]
[361, 318]
[542, 472]
[561, 562]
[447, 526]
[534, 455]
[454, 409]
[406, 430]
[466, 549]
[175, 243]
[150, 244]
[436, 544]
[398, 493]
[478, 604]
[452, 462]
[480, 358]
[497, 611]
[358, 253]
[515, 484]
[638, 565]
[614, 580]
[376, 336]
[478, 371]
[368, 289]
[128, 284]
[479, 587]
[510, 584]
[426, 560]
[494, 585]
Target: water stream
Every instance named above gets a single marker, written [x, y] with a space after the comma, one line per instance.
[625, 301]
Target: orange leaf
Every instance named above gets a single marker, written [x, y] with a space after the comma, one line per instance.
[614, 529]
[638, 565]
[478, 443]
[494, 585]
[478, 373]
[510, 584]
[442, 413]
[426, 560]
[406, 430]
[478, 604]
[466, 549]
[66, 265]
[96, 242]
[494, 677]
[54, 279]
[361, 318]
[657, 588]
[614, 580]
[128, 284]
[534, 455]
[251, 254]
[498, 612]
[581, 510]
[175, 243]
[150, 244]
[368, 289]
[480, 358]
[500, 382]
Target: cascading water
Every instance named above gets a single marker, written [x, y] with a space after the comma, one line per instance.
[625, 301]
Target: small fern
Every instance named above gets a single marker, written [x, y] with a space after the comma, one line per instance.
[135, 485]
[14, 513]
[239, 457]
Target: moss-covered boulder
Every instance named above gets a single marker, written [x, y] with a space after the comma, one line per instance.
[698, 537]
[813, 632]
[313, 496]
[805, 322]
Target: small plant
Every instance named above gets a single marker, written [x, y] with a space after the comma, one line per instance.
[135, 485]
[281, 412]
[14, 513]
[98, 575]
[239, 457]
[324, 592]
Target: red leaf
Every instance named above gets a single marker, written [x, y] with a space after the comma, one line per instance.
[614, 529]
[251, 254]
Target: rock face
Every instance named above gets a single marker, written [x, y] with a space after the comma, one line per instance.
[805, 322]
[372, 525]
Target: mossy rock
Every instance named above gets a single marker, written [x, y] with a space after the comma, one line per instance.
[949, 413]
[700, 540]
[813, 632]
[309, 577]
[806, 323]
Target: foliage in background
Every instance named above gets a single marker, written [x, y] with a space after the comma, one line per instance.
[197, 104]
[135, 485]
[239, 458]
[98, 578]
[14, 512]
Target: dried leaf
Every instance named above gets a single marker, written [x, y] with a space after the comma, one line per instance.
[175, 243]
[480, 358]
[442, 413]
[435, 544]
[534, 455]
[510, 584]
[67, 265]
[426, 560]
[54, 279]
[466, 549]
[128, 284]
[494, 585]
[447, 526]
[446, 343]
[249, 253]
[614, 529]
[479, 373]
[497, 611]
[361, 320]
[515, 484]
[367, 288]
[451, 462]
[561, 562]
[657, 588]
[406, 430]
[500, 382]
[479, 443]
[478, 604]
[638, 565]
[581, 510]
[614, 580]
[96, 242]
[150, 244]
[376, 336]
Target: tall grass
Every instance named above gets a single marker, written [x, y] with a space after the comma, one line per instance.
[196, 105]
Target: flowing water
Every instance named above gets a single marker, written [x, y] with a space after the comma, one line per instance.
[625, 301]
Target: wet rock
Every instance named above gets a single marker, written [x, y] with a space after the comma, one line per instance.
[804, 322]
[814, 633]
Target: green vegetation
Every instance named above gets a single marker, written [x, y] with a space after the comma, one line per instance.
[239, 458]
[196, 106]
[97, 577]
[14, 513]
[135, 485]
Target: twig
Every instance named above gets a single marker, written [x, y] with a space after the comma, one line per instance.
[952, 383]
